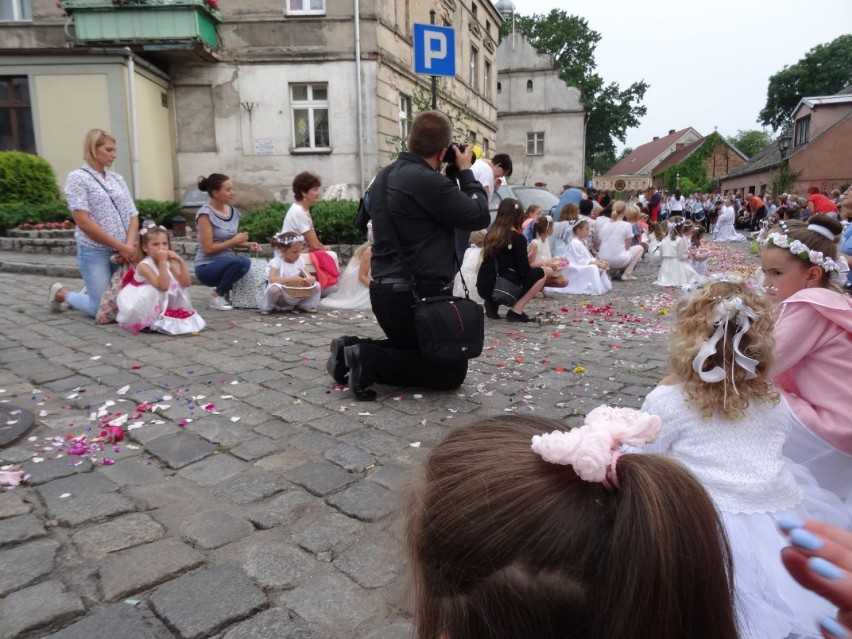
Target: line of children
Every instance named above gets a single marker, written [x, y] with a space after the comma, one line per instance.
[156, 297]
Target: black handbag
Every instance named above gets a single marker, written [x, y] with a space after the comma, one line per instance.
[449, 328]
[506, 292]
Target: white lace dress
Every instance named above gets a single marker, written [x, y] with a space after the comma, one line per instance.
[142, 305]
[740, 463]
[351, 293]
[584, 278]
[674, 267]
[469, 270]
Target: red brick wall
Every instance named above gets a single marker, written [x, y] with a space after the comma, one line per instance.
[722, 161]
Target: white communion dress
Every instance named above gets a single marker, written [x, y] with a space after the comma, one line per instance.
[724, 230]
[141, 305]
[470, 271]
[584, 278]
[351, 294]
[741, 465]
[674, 267]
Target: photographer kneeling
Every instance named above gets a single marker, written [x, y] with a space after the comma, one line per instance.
[422, 207]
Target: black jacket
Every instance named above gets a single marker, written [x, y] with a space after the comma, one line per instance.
[425, 207]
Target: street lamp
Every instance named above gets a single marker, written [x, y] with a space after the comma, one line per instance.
[784, 142]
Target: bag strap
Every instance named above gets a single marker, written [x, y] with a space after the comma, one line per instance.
[109, 195]
[383, 193]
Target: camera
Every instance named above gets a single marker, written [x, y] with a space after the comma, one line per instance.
[450, 158]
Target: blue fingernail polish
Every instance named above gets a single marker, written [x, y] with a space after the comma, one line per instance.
[803, 539]
[788, 523]
[825, 569]
[832, 627]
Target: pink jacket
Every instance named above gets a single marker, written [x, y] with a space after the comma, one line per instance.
[813, 362]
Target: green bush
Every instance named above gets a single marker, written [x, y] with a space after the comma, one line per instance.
[161, 212]
[27, 178]
[264, 223]
[334, 222]
[11, 215]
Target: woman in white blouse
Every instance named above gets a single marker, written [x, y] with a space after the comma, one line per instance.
[107, 223]
[306, 188]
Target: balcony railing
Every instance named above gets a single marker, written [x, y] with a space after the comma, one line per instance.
[145, 21]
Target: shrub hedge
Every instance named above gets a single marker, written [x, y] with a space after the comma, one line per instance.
[334, 222]
[11, 215]
[161, 212]
[27, 178]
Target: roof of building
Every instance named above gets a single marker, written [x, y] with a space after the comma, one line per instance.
[764, 159]
[678, 156]
[824, 100]
[643, 155]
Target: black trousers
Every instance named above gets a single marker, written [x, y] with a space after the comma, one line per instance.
[397, 360]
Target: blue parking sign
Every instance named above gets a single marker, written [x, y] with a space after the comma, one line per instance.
[434, 50]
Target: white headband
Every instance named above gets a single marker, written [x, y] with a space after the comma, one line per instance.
[816, 228]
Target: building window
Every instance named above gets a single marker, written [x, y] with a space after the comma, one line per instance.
[487, 80]
[309, 103]
[488, 28]
[405, 115]
[535, 143]
[305, 7]
[803, 131]
[529, 86]
[485, 148]
[499, 88]
[16, 116]
[474, 10]
[474, 68]
[16, 11]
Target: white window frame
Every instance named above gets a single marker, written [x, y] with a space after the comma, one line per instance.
[289, 11]
[537, 140]
[22, 10]
[485, 148]
[310, 105]
[474, 68]
[405, 115]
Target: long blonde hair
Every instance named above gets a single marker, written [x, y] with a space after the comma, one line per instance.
[695, 324]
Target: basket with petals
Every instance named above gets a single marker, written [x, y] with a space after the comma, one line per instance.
[298, 292]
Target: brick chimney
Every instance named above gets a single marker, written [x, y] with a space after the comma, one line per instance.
[656, 137]
[671, 131]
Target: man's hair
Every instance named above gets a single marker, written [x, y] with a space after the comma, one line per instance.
[586, 206]
[504, 161]
[430, 132]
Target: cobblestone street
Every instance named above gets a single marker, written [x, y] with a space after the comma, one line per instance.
[252, 498]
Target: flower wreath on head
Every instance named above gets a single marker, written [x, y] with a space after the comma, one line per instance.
[593, 449]
[801, 250]
[144, 230]
[287, 241]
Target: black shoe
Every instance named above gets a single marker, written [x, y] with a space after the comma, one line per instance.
[336, 365]
[355, 363]
[512, 316]
[491, 309]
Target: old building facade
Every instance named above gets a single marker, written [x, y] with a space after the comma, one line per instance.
[277, 87]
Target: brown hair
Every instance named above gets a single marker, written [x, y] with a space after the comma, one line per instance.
[798, 230]
[212, 183]
[503, 544]
[813, 190]
[695, 323]
[569, 213]
[542, 224]
[94, 138]
[657, 230]
[531, 210]
[510, 216]
[697, 234]
[430, 132]
[303, 183]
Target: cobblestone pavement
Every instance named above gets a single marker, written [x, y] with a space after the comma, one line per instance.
[256, 500]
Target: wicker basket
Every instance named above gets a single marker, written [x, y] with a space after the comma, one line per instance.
[298, 292]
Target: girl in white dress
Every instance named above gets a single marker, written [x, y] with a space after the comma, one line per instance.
[723, 419]
[674, 265]
[354, 284]
[724, 230]
[155, 297]
[287, 271]
[539, 253]
[656, 234]
[586, 275]
[470, 268]
[697, 256]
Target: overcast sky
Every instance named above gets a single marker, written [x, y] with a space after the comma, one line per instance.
[707, 62]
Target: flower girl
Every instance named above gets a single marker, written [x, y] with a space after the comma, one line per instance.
[674, 263]
[586, 275]
[354, 289]
[290, 287]
[155, 296]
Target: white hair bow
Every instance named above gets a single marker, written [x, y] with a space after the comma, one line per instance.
[725, 311]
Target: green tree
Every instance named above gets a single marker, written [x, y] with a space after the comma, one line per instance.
[825, 70]
[751, 141]
[624, 153]
[612, 110]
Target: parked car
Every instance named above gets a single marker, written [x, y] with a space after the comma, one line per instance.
[526, 195]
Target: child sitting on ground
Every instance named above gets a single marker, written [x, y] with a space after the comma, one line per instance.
[723, 419]
[510, 535]
[154, 297]
[290, 288]
[353, 291]
[470, 268]
[586, 275]
[539, 253]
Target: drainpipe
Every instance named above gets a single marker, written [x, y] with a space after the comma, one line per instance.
[134, 141]
[359, 114]
[586, 117]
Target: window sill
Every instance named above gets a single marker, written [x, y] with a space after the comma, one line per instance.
[312, 151]
[306, 14]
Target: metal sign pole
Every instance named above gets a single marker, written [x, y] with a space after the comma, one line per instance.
[434, 78]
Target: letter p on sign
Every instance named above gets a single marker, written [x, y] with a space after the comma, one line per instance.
[434, 50]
